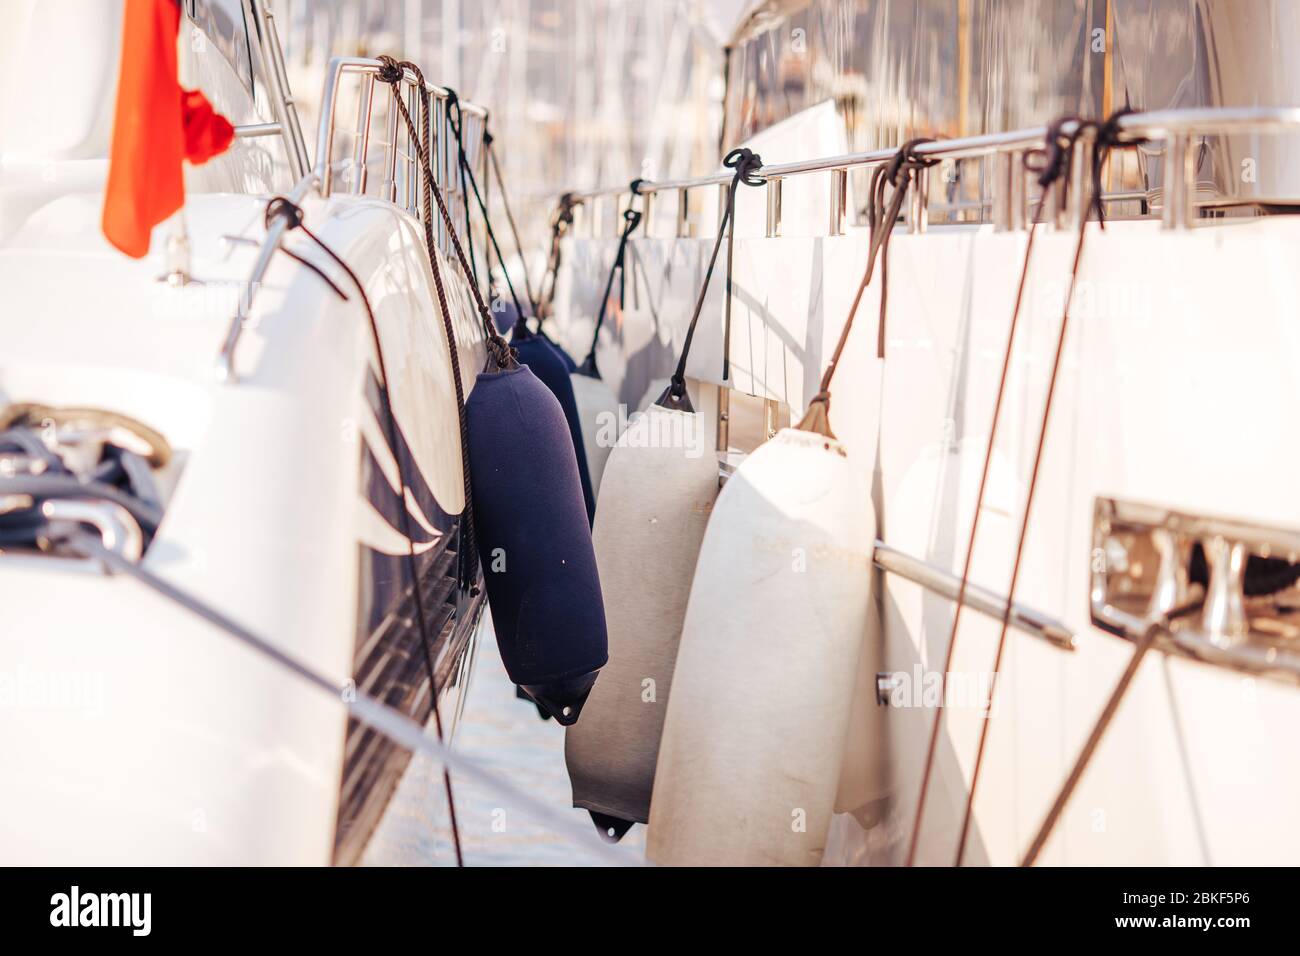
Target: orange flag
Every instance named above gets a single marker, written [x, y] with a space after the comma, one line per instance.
[155, 127]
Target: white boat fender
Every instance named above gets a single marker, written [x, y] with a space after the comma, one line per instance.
[777, 612]
[597, 404]
[660, 484]
[663, 487]
[597, 412]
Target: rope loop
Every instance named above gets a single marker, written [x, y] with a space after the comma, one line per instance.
[282, 207]
[909, 160]
[746, 163]
[1051, 160]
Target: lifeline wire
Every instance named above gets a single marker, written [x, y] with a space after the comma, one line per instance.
[746, 164]
[393, 724]
[279, 206]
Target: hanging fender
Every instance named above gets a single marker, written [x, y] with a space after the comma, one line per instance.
[749, 762]
[534, 541]
[660, 484]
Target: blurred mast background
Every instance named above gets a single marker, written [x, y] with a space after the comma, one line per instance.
[582, 93]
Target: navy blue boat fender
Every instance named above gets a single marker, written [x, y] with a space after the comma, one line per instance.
[540, 356]
[596, 402]
[534, 541]
[531, 523]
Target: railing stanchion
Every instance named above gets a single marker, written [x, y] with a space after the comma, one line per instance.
[773, 208]
[839, 199]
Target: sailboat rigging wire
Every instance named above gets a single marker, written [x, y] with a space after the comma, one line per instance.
[631, 219]
[488, 139]
[1056, 161]
[898, 173]
[746, 164]
[279, 206]
[393, 724]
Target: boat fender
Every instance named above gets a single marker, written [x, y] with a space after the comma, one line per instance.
[777, 613]
[534, 541]
[660, 483]
[539, 356]
[570, 365]
[598, 417]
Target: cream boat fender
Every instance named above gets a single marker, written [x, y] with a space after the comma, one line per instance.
[598, 415]
[660, 483]
[749, 764]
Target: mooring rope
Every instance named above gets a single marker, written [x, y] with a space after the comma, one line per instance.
[905, 166]
[499, 351]
[631, 219]
[467, 171]
[746, 164]
[561, 220]
[1051, 163]
[1101, 138]
[488, 140]
[1048, 175]
[1090, 745]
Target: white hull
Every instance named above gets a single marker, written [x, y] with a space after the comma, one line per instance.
[1175, 388]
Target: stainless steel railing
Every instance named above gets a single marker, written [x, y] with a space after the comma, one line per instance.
[399, 169]
[1011, 196]
[399, 173]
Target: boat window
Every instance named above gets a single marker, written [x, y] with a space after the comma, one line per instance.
[223, 23]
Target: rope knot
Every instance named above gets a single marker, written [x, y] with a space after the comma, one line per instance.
[908, 159]
[390, 71]
[1052, 158]
[746, 163]
[1108, 132]
[285, 208]
[502, 354]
